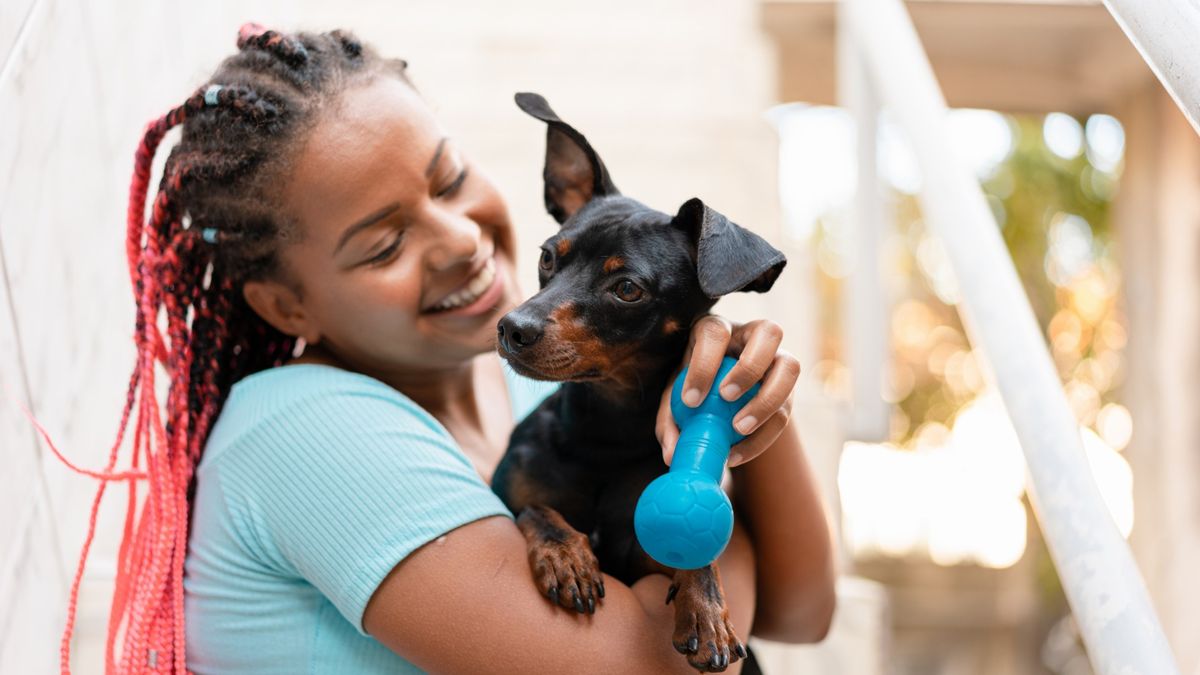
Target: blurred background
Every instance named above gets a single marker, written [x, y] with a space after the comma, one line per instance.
[1089, 169]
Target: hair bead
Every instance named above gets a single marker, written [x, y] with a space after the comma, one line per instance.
[210, 94]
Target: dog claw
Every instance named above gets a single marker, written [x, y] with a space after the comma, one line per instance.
[671, 593]
[693, 644]
[741, 650]
[719, 660]
[600, 588]
[554, 594]
[591, 605]
[578, 605]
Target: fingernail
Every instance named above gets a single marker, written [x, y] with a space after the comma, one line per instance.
[730, 392]
[692, 397]
[735, 458]
[746, 424]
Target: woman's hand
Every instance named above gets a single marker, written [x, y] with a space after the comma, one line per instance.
[756, 346]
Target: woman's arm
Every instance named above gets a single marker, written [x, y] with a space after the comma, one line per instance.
[775, 494]
[467, 603]
[777, 498]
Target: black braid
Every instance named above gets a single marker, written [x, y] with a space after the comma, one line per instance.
[286, 47]
[351, 46]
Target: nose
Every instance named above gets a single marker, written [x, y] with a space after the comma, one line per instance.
[517, 330]
[458, 238]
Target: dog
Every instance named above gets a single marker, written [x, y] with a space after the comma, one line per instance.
[620, 286]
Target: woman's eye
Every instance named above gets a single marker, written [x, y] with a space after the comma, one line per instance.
[453, 187]
[546, 262]
[627, 291]
[386, 254]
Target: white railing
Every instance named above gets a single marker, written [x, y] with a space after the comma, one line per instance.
[1101, 580]
[1166, 33]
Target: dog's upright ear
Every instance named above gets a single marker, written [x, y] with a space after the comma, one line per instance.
[729, 257]
[574, 174]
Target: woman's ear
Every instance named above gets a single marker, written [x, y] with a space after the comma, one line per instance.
[283, 308]
[574, 174]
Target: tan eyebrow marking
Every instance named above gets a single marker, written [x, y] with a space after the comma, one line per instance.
[613, 263]
[670, 326]
[563, 246]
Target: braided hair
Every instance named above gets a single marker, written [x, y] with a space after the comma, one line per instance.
[215, 224]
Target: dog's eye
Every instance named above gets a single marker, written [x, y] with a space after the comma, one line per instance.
[546, 263]
[627, 291]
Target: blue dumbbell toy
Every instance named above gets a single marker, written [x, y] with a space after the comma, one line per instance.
[683, 518]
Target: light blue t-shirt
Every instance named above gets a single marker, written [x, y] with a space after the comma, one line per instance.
[315, 482]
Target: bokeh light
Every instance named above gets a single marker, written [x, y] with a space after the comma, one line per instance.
[1063, 135]
[1105, 142]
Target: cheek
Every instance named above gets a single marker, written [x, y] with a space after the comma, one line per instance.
[490, 210]
[395, 293]
[376, 300]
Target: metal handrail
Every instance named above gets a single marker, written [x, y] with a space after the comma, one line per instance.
[1098, 573]
[1165, 33]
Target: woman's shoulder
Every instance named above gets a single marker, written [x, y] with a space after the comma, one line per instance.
[299, 380]
[309, 401]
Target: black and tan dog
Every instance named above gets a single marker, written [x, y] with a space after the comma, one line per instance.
[621, 285]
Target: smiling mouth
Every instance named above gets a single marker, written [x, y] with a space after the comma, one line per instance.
[470, 291]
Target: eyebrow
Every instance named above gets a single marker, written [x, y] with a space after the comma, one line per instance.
[437, 154]
[365, 223]
[387, 210]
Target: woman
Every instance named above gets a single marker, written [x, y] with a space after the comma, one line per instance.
[342, 520]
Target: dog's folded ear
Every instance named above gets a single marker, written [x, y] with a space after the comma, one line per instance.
[574, 174]
[729, 257]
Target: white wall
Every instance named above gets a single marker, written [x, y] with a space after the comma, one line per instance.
[79, 82]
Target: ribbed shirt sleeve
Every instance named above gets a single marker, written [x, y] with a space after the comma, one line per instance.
[340, 486]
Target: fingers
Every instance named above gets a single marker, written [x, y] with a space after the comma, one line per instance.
[760, 360]
[777, 385]
[762, 340]
[664, 426]
[710, 339]
[754, 445]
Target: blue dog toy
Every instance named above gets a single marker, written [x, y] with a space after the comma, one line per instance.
[683, 518]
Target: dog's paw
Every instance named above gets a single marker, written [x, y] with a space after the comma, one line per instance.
[567, 572]
[702, 630]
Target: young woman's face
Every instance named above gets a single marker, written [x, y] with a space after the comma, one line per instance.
[406, 258]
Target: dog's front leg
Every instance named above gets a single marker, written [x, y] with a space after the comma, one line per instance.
[564, 567]
[702, 629]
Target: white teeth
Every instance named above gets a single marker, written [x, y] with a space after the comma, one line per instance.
[473, 289]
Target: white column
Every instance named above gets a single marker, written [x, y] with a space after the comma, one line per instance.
[1156, 215]
[865, 309]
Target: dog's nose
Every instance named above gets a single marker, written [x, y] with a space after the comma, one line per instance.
[517, 331]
